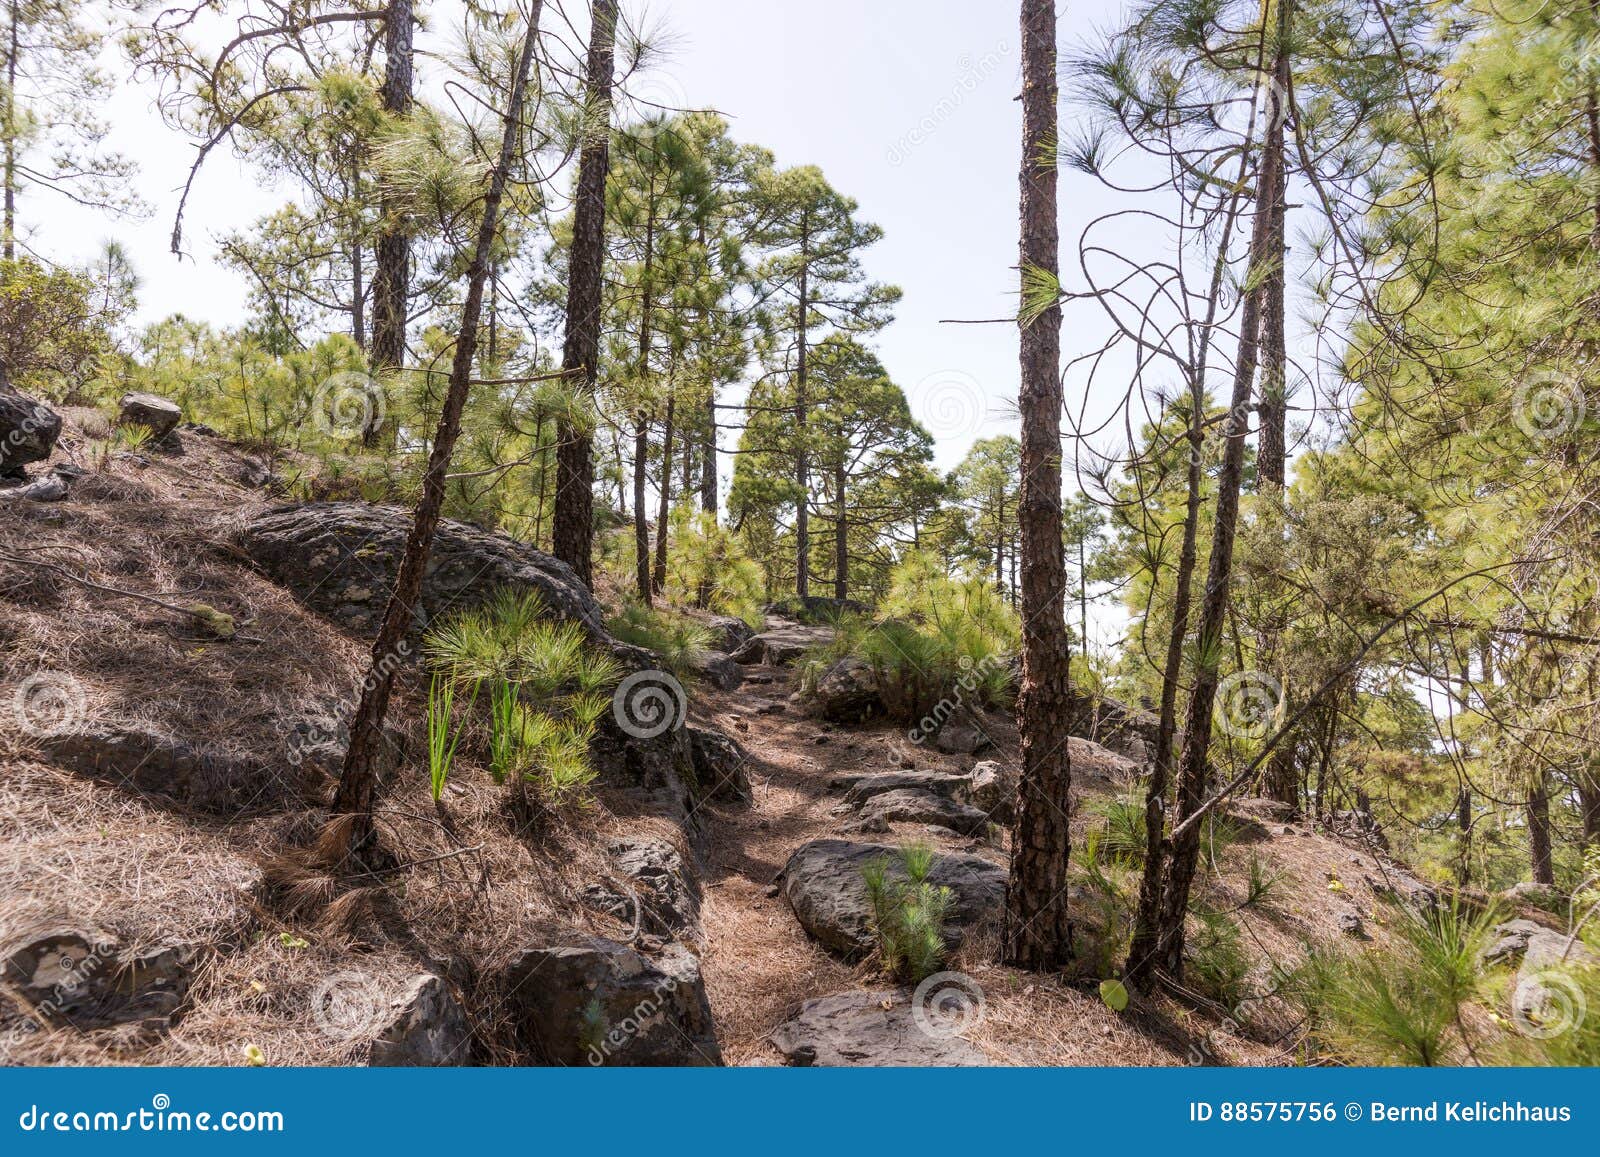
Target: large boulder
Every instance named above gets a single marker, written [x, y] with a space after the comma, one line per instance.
[782, 645]
[729, 633]
[962, 734]
[870, 1028]
[86, 978]
[592, 1001]
[717, 669]
[157, 414]
[719, 764]
[822, 883]
[1130, 731]
[847, 692]
[914, 806]
[28, 431]
[341, 558]
[992, 787]
[861, 788]
[424, 1027]
[665, 898]
[816, 608]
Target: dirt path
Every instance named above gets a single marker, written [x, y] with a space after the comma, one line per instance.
[758, 962]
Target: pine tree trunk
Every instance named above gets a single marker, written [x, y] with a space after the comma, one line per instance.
[8, 226]
[658, 577]
[1038, 925]
[641, 528]
[708, 457]
[1194, 764]
[1279, 779]
[392, 276]
[358, 777]
[841, 537]
[573, 531]
[1539, 831]
[1146, 930]
[802, 456]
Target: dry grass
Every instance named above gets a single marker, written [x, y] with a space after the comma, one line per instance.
[267, 930]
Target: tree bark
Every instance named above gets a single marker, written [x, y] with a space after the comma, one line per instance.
[658, 577]
[1194, 764]
[573, 530]
[358, 777]
[1539, 831]
[841, 536]
[391, 279]
[641, 528]
[802, 455]
[1038, 933]
[8, 227]
[1280, 782]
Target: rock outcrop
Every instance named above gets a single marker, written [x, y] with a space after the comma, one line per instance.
[88, 979]
[868, 1028]
[424, 1027]
[592, 1001]
[28, 431]
[823, 885]
[341, 558]
[157, 414]
[847, 692]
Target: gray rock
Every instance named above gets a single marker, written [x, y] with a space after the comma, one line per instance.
[28, 431]
[862, 788]
[1403, 888]
[719, 670]
[1128, 730]
[781, 646]
[1547, 995]
[50, 487]
[915, 806]
[847, 692]
[340, 558]
[719, 764]
[157, 414]
[667, 893]
[593, 1001]
[823, 884]
[992, 787]
[868, 1028]
[1511, 941]
[1350, 925]
[86, 978]
[729, 633]
[424, 1028]
[961, 736]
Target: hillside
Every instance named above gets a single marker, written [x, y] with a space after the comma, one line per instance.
[167, 775]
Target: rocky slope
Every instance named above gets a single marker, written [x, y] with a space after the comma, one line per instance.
[178, 646]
